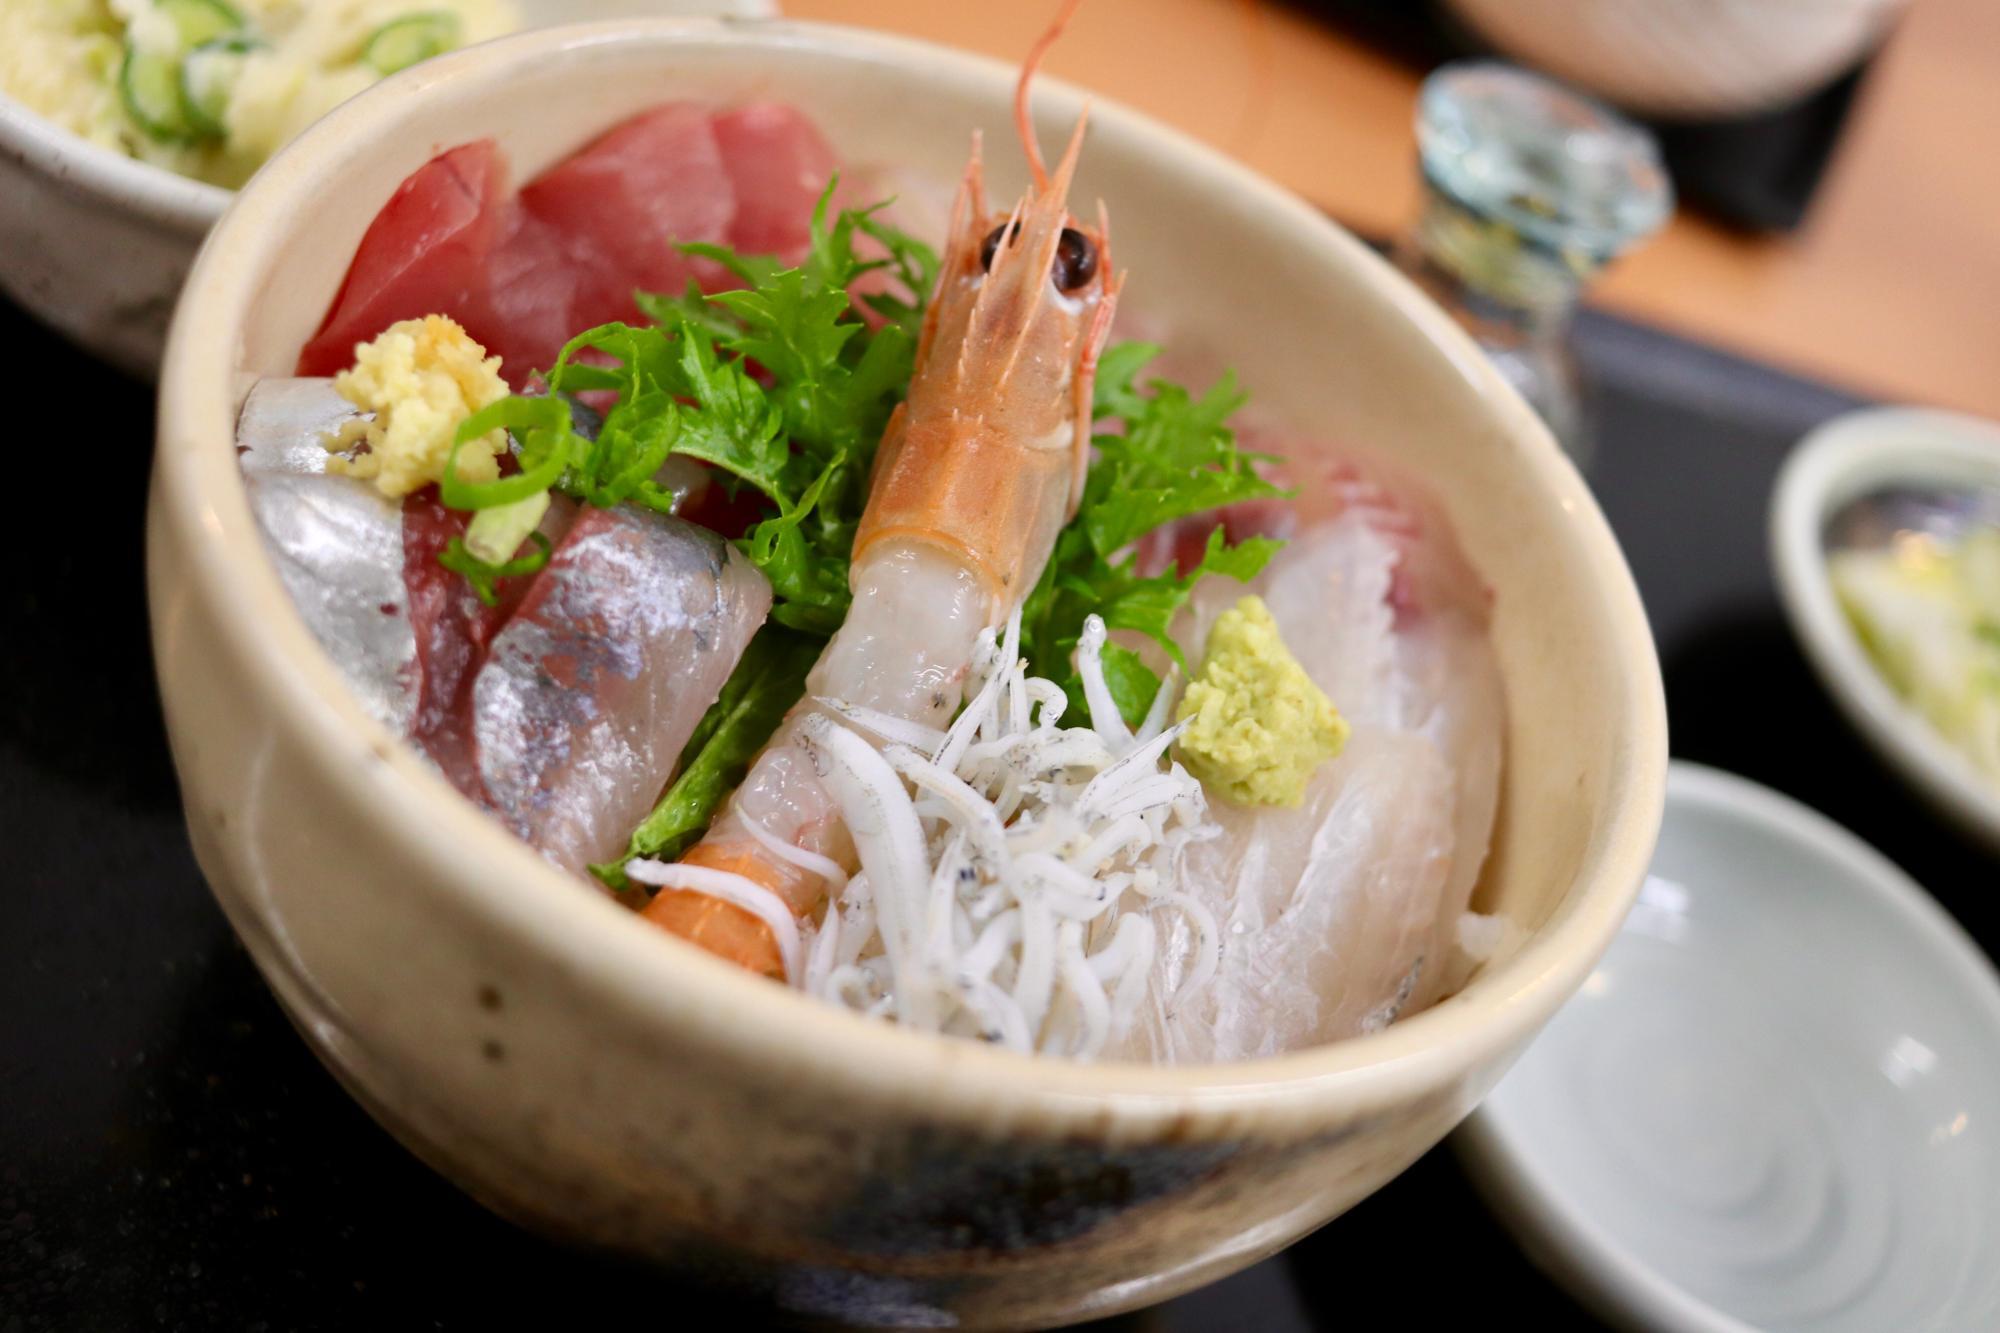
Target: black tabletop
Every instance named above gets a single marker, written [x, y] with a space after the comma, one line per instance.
[171, 1156]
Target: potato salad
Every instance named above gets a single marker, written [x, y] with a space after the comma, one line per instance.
[211, 88]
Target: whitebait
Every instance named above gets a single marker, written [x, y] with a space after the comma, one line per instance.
[1012, 869]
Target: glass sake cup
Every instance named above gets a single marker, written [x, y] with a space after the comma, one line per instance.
[1530, 189]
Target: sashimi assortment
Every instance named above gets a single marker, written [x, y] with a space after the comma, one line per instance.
[860, 613]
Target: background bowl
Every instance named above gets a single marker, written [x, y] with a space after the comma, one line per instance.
[96, 244]
[1686, 58]
[1845, 460]
[589, 1075]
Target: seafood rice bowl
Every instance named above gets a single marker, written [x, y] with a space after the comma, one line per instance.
[895, 607]
[854, 605]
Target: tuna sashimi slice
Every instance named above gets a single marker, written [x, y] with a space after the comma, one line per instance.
[532, 298]
[427, 252]
[623, 204]
[523, 274]
[594, 685]
[453, 628]
[779, 165]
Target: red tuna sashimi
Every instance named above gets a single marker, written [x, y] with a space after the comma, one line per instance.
[524, 274]
[623, 204]
[530, 306]
[779, 165]
[427, 252]
[453, 628]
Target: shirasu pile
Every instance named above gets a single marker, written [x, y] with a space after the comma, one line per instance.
[1013, 870]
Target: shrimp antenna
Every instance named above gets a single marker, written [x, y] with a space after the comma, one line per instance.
[1022, 121]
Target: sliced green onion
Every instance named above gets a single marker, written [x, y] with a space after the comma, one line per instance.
[208, 81]
[495, 534]
[401, 43]
[543, 426]
[483, 574]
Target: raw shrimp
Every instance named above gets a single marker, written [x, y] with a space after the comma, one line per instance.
[976, 474]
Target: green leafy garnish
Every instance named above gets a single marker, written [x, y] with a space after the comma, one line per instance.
[1174, 457]
[782, 388]
[785, 390]
[801, 431]
[768, 680]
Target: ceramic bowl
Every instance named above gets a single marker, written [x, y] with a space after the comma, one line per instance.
[1850, 459]
[1774, 1105]
[96, 244]
[592, 1077]
[1691, 59]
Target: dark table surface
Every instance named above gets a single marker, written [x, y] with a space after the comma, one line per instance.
[172, 1157]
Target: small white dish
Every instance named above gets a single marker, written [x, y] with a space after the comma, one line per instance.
[96, 244]
[1850, 457]
[1775, 1104]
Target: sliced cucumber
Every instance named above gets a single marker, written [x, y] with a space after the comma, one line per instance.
[208, 80]
[401, 43]
[151, 79]
[201, 21]
[150, 85]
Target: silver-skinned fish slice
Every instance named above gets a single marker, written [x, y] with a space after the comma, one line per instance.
[563, 707]
[337, 543]
[592, 688]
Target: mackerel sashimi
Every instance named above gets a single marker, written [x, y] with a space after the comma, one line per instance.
[602, 673]
[850, 605]
[562, 705]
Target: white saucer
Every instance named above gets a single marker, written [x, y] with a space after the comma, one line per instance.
[1849, 457]
[1775, 1104]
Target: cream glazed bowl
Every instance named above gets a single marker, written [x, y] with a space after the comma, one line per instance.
[597, 1080]
[96, 244]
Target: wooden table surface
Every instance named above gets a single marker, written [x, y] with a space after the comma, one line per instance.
[1891, 288]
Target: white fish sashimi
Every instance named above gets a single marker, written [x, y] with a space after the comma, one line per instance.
[1341, 914]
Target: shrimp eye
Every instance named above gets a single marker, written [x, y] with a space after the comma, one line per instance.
[991, 245]
[1076, 261]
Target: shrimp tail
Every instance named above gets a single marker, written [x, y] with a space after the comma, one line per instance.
[722, 928]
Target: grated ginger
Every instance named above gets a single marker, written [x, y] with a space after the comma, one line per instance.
[421, 379]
